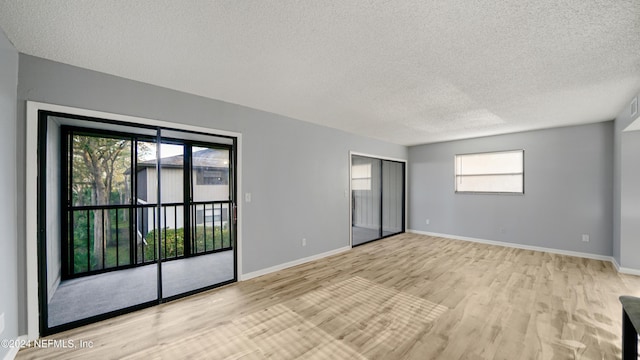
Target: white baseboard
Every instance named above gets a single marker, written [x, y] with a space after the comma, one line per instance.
[14, 350]
[624, 270]
[612, 260]
[289, 264]
[524, 247]
[615, 264]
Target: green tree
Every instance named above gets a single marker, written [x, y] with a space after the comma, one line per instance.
[99, 178]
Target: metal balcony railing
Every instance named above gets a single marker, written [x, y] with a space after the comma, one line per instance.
[108, 237]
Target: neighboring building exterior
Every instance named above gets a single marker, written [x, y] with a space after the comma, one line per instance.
[210, 177]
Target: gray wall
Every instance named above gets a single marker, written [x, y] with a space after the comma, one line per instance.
[626, 210]
[568, 190]
[297, 172]
[8, 213]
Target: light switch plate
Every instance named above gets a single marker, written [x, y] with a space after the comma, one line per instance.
[247, 197]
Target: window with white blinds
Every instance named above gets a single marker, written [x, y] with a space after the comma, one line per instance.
[499, 172]
[361, 177]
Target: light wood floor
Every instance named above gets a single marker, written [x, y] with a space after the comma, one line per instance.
[405, 297]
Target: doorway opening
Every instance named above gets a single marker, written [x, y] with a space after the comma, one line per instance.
[129, 216]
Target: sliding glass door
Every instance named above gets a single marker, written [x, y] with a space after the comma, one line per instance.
[131, 217]
[377, 198]
[94, 258]
[392, 197]
[366, 198]
[203, 243]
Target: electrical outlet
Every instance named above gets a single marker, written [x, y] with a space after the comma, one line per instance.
[585, 237]
[304, 242]
[428, 221]
[1, 323]
[502, 230]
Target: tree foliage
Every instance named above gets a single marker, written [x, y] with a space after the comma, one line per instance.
[172, 241]
[99, 177]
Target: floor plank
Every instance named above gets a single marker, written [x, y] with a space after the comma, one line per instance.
[405, 297]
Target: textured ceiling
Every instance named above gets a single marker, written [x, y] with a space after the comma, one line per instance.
[408, 72]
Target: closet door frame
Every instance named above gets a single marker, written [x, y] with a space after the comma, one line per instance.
[350, 192]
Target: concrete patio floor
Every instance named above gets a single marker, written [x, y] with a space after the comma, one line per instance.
[81, 298]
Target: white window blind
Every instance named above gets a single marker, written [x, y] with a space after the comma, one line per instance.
[494, 172]
[361, 177]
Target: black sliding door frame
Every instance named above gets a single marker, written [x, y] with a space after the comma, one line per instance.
[190, 247]
[382, 161]
[65, 174]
